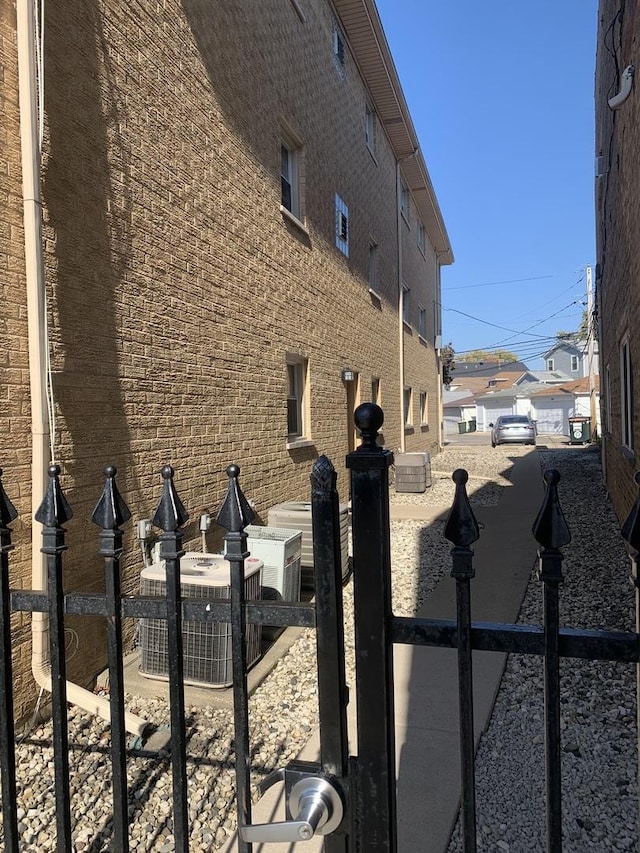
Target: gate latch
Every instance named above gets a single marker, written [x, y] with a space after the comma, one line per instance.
[315, 804]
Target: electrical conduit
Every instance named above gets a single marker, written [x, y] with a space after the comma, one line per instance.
[37, 320]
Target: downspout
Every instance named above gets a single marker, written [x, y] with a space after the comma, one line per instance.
[36, 320]
[400, 302]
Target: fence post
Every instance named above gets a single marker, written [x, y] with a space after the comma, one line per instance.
[631, 534]
[7, 732]
[462, 530]
[111, 511]
[53, 512]
[235, 514]
[376, 778]
[551, 532]
[169, 517]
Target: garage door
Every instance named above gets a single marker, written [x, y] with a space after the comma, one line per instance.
[451, 424]
[492, 413]
[553, 417]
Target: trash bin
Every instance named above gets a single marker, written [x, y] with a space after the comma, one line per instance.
[473, 425]
[462, 427]
[579, 430]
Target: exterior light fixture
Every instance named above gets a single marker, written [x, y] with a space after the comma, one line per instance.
[348, 375]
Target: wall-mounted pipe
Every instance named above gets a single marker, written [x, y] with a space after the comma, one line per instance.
[626, 84]
[36, 320]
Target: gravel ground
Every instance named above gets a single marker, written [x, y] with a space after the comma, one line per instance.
[598, 713]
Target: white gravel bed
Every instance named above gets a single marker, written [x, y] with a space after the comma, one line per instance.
[598, 715]
[600, 799]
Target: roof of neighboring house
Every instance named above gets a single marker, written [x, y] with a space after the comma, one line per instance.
[567, 344]
[369, 45]
[577, 386]
[480, 384]
[525, 390]
[458, 402]
[550, 377]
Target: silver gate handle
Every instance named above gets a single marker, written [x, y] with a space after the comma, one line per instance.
[317, 806]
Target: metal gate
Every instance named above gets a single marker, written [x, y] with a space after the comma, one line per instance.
[349, 799]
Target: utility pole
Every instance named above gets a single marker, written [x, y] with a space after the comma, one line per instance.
[591, 332]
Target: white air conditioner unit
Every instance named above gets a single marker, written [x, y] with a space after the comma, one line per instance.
[279, 551]
[207, 653]
[296, 515]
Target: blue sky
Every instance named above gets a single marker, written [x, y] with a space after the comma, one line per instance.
[501, 95]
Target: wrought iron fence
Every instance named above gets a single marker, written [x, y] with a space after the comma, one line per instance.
[353, 796]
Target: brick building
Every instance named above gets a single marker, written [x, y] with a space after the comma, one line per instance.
[239, 243]
[618, 244]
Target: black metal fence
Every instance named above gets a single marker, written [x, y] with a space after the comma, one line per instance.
[352, 798]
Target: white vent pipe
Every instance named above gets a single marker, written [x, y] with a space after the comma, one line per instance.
[37, 319]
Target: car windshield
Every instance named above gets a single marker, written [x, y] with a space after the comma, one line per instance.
[514, 419]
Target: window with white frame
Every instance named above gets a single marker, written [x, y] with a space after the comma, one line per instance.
[342, 226]
[405, 304]
[339, 54]
[422, 238]
[404, 200]
[607, 399]
[297, 370]
[407, 400]
[424, 408]
[422, 322]
[290, 176]
[370, 128]
[550, 364]
[574, 363]
[626, 395]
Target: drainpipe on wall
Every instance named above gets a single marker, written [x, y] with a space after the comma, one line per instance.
[400, 302]
[36, 311]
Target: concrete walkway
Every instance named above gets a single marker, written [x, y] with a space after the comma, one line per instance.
[426, 691]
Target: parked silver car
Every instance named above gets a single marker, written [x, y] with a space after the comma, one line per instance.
[513, 429]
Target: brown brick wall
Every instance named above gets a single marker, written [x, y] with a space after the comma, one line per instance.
[176, 286]
[618, 239]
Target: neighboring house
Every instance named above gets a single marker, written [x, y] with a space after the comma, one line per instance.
[570, 358]
[240, 243]
[457, 407]
[618, 244]
[550, 406]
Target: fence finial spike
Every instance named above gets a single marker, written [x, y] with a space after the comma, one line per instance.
[235, 512]
[368, 418]
[54, 509]
[461, 527]
[550, 528]
[631, 528]
[170, 514]
[7, 510]
[323, 476]
[111, 511]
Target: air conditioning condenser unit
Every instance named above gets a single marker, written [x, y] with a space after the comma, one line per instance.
[207, 652]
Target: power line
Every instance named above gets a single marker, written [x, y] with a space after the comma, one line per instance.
[495, 283]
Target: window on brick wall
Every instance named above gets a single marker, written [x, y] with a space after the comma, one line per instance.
[607, 399]
[626, 395]
[339, 52]
[290, 176]
[370, 128]
[375, 390]
[373, 266]
[404, 200]
[405, 304]
[422, 322]
[422, 238]
[297, 397]
[407, 400]
[424, 408]
[342, 226]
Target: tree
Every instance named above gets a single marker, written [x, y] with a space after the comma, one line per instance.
[500, 355]
[447, 354]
